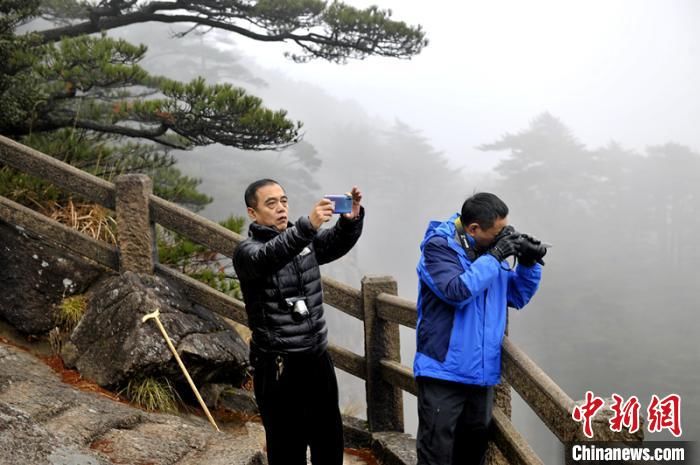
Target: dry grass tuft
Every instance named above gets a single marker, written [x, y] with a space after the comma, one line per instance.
[70, 312]
[152, 394]
[88, 218]
[351, 409]
[56, 341]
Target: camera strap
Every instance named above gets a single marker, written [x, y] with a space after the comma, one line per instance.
[461, 237]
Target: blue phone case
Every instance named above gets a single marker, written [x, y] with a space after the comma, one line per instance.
[341, 203]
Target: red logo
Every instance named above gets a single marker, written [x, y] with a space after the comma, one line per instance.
[586, 412]
[665, 414]
[626, 414]
[662, 413]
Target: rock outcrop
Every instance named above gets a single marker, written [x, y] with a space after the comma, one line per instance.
[44, 421]
[35, 277]
[111, 344]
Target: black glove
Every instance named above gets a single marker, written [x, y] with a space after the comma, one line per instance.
[531, 251]
[506, 246]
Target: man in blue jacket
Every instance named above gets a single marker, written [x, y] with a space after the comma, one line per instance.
[465, 287]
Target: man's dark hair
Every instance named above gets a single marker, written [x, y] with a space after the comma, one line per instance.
[251, 199]
[483, 209]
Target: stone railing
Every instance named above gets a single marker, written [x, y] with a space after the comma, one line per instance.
[375, 303]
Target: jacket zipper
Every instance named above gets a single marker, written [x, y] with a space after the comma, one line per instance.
[300, 289]
[300, 286]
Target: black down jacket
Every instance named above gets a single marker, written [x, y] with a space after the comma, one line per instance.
[274, 266]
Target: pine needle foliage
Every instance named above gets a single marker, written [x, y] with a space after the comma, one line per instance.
[197, 261]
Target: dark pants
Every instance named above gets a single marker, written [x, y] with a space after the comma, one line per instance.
[454, 420]
[299, 408]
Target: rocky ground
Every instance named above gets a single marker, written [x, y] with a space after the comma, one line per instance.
[45, 420]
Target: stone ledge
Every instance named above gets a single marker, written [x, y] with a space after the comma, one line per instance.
[394, 448]
[45, 421]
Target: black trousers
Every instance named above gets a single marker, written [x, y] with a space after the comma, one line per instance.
[454, 422]
[297, 396]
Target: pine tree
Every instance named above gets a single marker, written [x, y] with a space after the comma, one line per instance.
[83, 98]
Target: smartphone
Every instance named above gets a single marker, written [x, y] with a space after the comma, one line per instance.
[341, 203]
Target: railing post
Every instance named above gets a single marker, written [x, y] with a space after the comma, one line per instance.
[384, 401]
[503, 392]
[134, 230]
[502, 400]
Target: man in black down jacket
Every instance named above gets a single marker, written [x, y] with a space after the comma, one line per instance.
[278, 268]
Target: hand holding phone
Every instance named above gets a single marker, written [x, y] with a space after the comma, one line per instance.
[342, 203]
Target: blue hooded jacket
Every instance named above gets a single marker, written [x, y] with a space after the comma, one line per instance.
[462, 308]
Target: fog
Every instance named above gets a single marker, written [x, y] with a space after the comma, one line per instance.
[583, 120]
[622, 70]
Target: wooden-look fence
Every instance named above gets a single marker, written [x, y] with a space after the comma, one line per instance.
[375, 303]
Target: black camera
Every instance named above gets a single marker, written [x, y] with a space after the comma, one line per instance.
[531, 250]
[300, 311]
[506, 231]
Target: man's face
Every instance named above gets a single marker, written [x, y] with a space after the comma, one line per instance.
[271, 208]
[484, 237]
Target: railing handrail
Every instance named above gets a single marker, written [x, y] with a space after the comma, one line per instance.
[31, 161]
[27, 219]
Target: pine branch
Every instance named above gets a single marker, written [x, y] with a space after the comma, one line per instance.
[335, 33]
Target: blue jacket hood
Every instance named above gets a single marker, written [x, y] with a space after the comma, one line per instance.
[446, 229]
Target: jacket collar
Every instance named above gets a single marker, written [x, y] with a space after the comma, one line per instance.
[448, 230]
[264, 233]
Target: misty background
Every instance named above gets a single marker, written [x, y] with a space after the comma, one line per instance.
[583, 118]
